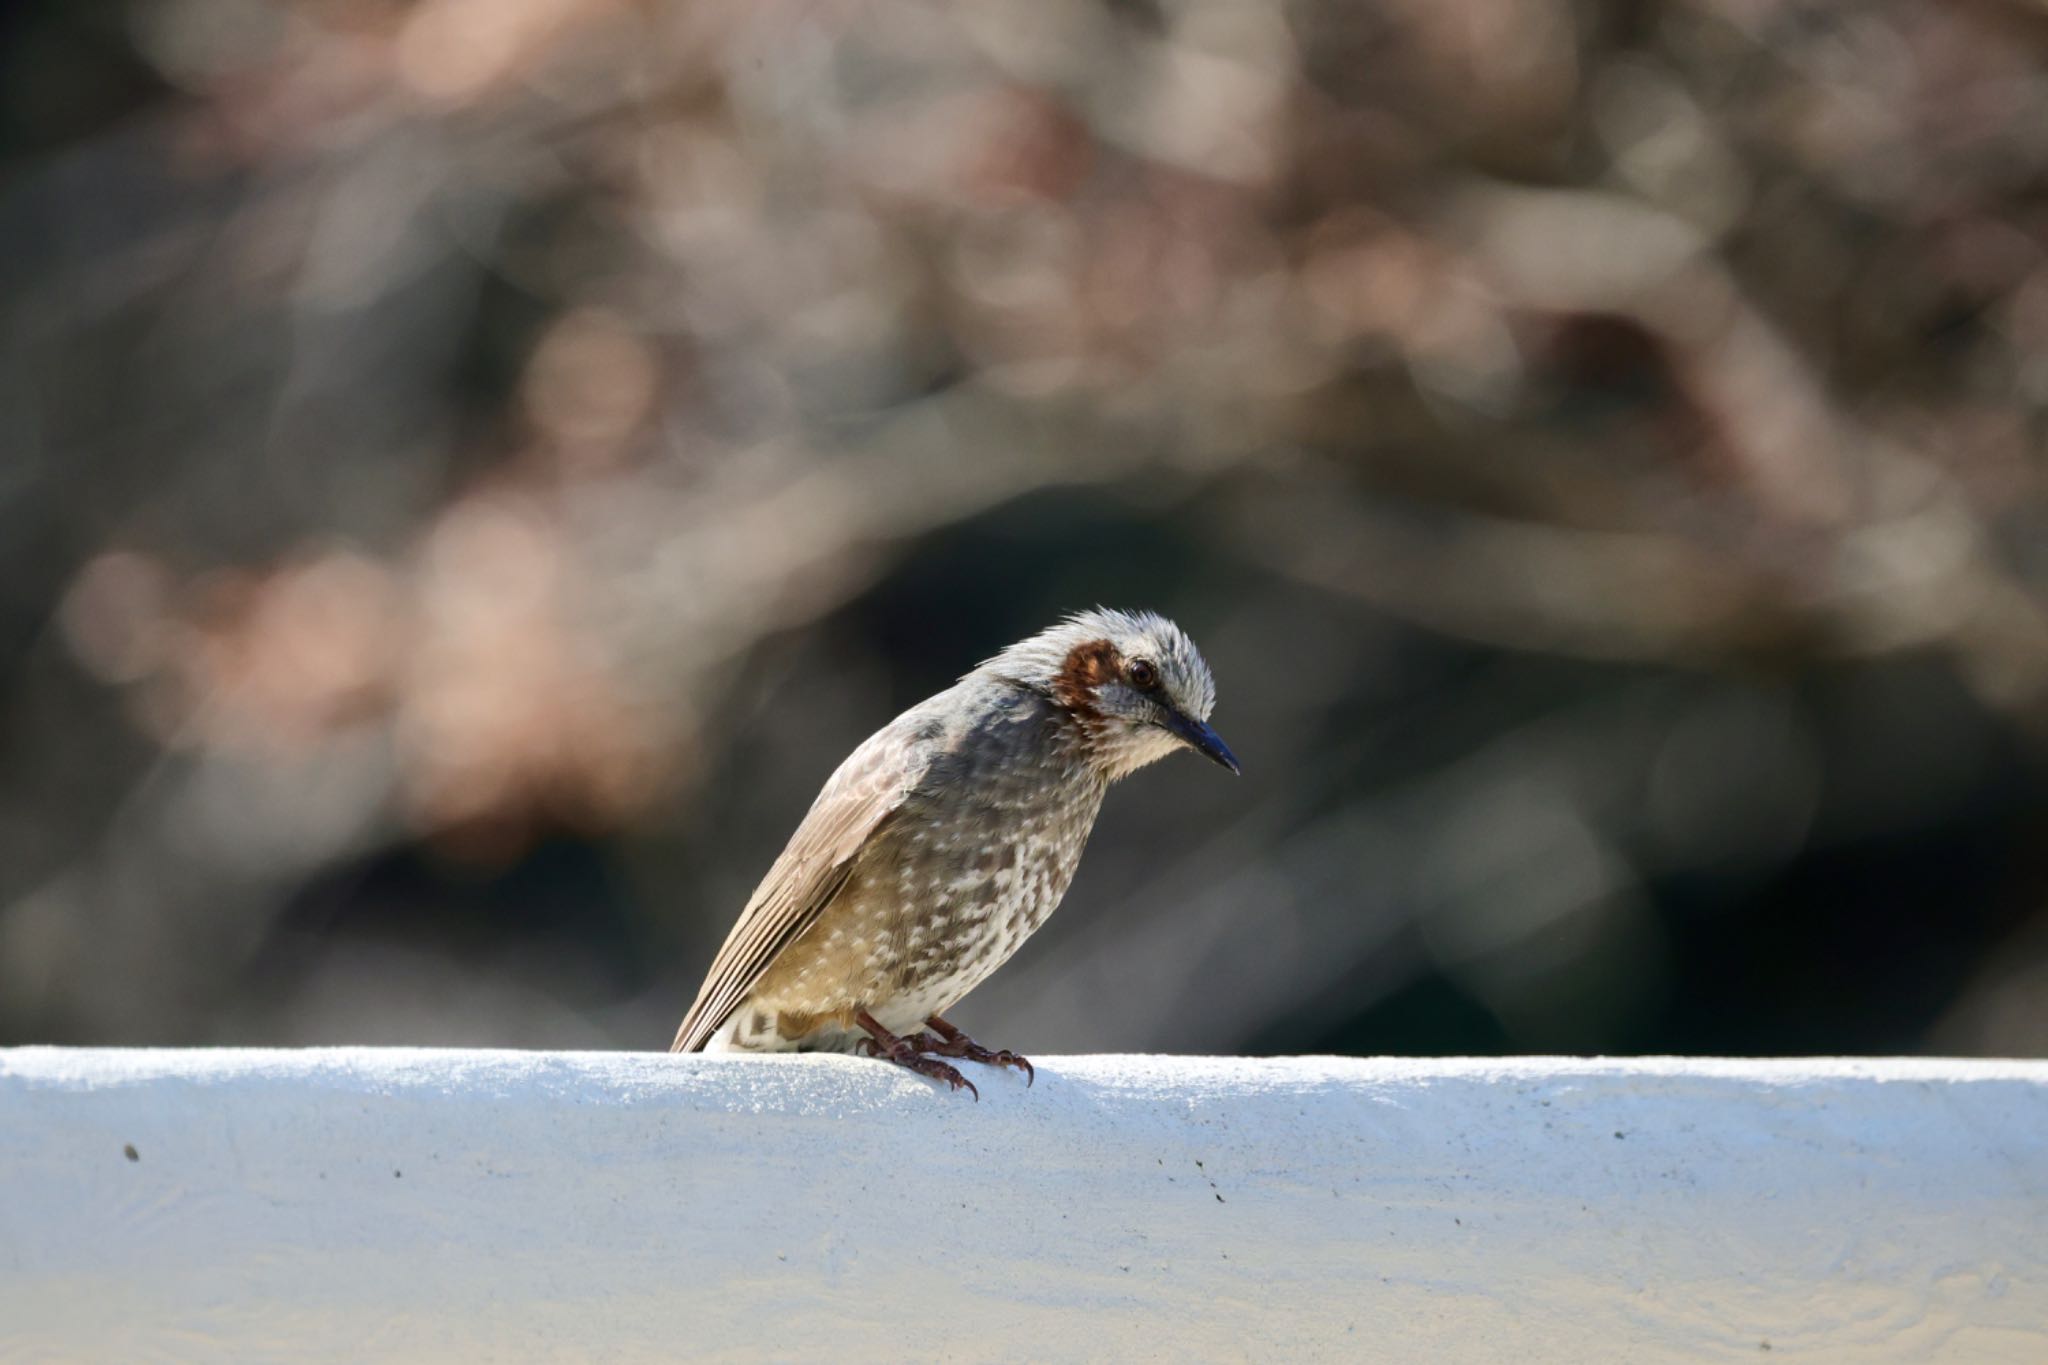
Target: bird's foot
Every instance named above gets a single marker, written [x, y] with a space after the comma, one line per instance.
[906, 1053]
[948, 1041]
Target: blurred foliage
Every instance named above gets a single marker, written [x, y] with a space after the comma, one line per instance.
[470, 468]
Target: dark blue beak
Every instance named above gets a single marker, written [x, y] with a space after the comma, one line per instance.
[1200, 738]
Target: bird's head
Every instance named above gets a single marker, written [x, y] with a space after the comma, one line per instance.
[1133, 682]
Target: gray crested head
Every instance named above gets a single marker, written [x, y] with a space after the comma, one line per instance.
[1133, 681]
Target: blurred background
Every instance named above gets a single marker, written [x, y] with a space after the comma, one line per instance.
[469, 469]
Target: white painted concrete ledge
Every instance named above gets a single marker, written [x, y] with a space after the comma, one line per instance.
[457, 1206]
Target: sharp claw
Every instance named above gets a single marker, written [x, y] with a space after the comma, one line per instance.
[921, 1052]
[939, 1071]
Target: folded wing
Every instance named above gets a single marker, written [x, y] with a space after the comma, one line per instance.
[858, 800]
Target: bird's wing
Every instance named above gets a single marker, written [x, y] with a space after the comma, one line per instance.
[858, 799]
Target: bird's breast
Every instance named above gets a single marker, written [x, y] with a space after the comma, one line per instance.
[966, 869]
[976, 875]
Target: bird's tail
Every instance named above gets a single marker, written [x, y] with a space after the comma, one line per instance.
[719, 1041]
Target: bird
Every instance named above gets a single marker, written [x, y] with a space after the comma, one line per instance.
[944, 841]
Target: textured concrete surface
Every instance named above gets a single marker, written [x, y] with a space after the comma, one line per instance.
[423, 1205]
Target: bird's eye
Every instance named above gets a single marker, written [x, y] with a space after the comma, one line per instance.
[1143, 675]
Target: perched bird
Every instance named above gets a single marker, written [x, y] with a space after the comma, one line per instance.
[944, 840]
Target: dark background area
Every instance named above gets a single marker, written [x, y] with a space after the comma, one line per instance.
[470, 468]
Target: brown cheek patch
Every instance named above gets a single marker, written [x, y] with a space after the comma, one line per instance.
[1087, 667]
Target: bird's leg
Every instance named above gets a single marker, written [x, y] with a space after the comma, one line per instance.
[948, 1041]
[905, 1053]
